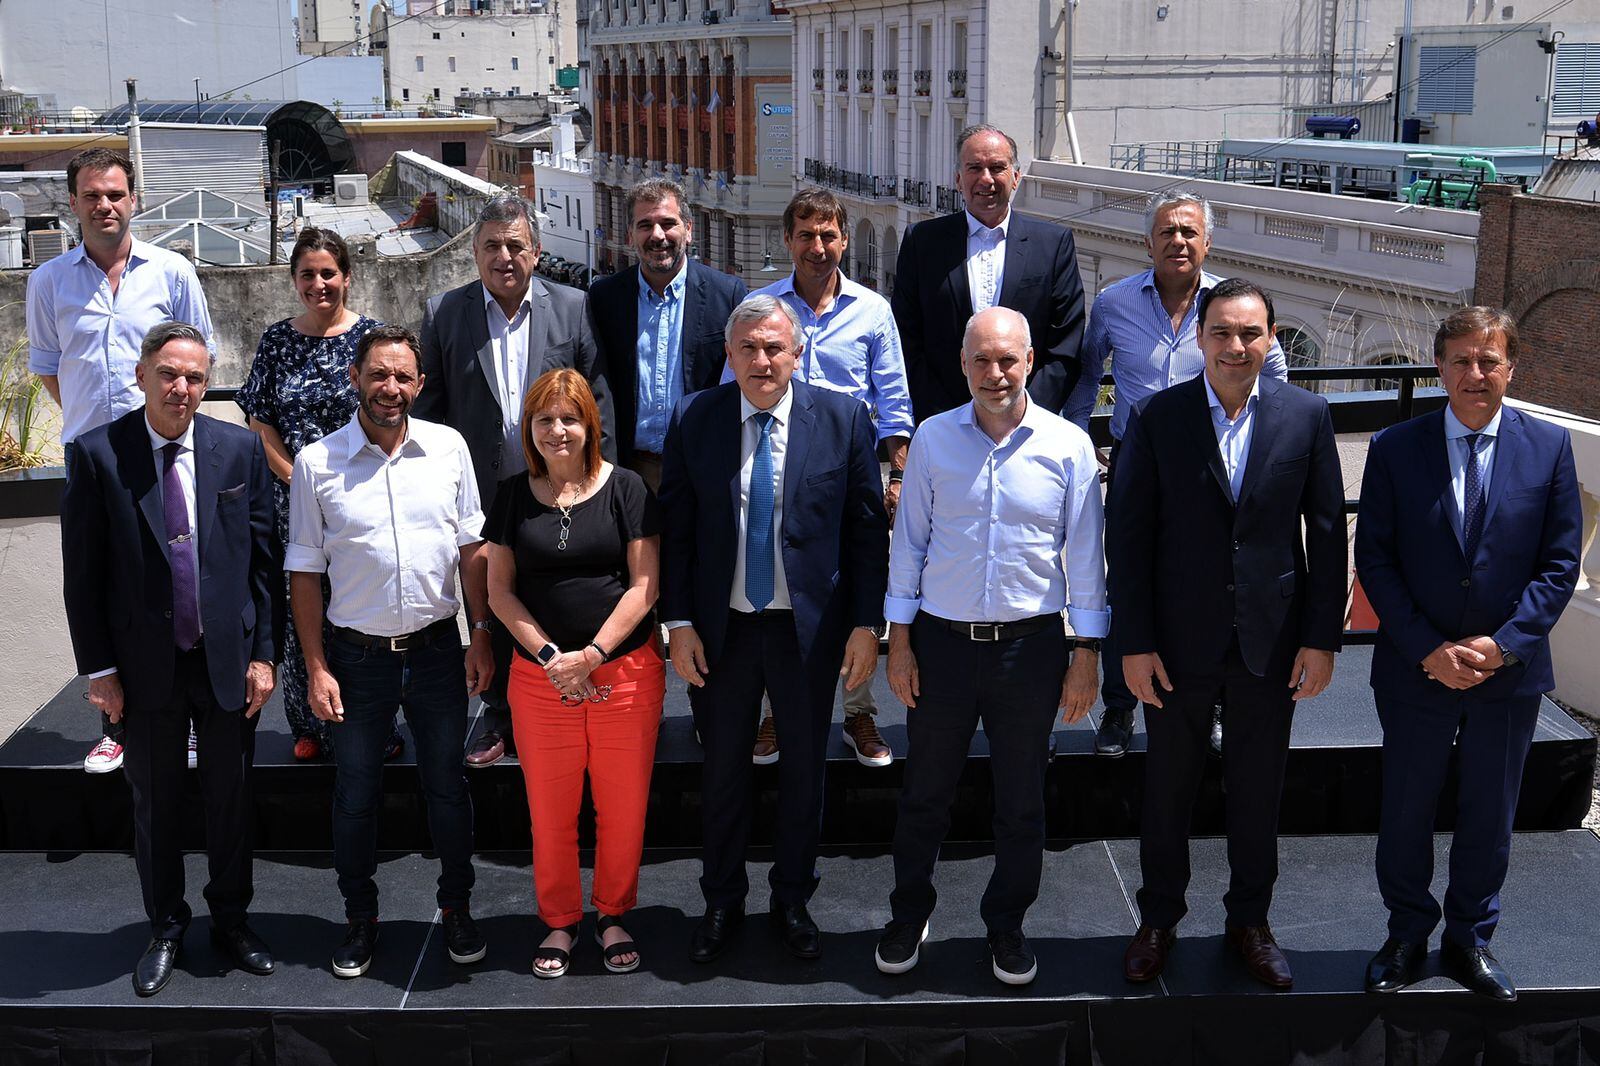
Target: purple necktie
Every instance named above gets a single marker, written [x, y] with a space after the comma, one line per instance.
[1473, 502]
[180, 549]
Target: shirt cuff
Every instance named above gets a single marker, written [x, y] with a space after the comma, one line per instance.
[900, 610]
[100, 673]
[677, 624]
[43, 362]
[1090, 624]
[299, 559]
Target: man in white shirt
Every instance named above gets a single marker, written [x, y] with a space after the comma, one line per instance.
[88, 312]
[387, 508]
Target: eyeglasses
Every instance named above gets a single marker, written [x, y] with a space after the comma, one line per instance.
[573, 699]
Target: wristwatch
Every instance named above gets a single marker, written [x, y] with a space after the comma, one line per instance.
[1508, 655]
[481, 626]
[1087, 644]
[545, 654]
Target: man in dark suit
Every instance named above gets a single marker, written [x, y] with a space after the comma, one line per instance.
[988, 255]
[775, 549]
[483, 344]
[161, 504]
[659, 324]
[1467, 545]
[1221, 595]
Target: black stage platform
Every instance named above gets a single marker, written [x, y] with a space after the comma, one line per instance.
[1333, 785]
[73, 926]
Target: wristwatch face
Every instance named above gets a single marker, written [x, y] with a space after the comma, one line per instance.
[545, 654]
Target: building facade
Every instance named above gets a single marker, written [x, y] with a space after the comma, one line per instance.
[333, 26]
[700, 91]
[563, 189]
[434, 58]
[886, 88]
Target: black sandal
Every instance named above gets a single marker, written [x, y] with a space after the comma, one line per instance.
[617, 950]
[555, 954]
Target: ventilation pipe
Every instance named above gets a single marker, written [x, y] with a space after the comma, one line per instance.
[135, 147]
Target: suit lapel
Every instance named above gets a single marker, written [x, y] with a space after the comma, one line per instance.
[207, 471]
[1205, 437]
[538, 326]
[960, 287]
[1016, 264]
[1505, 454]
[801, 421]
[478, 338]
[694, 299]
[1436, 468]
[1263, 435]
[730, 444]
[134, 450]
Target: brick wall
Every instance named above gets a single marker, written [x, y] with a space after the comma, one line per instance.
[1539, 258]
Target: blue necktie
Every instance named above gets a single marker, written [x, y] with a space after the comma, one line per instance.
[180, 548]
[758, 524]
[1472, 505]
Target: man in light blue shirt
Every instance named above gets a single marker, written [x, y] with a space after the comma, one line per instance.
[88, 312]
[1144, 326]
[852, 345]
[1000, 531]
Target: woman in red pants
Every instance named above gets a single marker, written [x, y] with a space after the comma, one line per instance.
[574, 564]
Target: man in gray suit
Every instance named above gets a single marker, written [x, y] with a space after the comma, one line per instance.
[483, 344]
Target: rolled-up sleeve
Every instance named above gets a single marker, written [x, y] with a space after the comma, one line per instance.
[908, 549]
[468, 506]
[304, 554]
[1083, 519]
[44, 347]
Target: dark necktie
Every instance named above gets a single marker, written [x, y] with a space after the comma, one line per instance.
[758, 541]
[180, 549]
[1472, 504]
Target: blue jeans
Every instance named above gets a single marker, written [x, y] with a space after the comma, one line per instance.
[430, 683]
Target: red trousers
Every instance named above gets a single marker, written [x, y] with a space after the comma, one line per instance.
[614, 740]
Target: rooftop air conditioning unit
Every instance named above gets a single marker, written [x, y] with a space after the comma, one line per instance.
[46, 244]
[349, 190]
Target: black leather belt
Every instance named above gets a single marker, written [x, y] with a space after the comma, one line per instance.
[993, 631]
[443, 629]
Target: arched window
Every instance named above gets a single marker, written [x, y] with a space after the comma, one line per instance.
[1300, 349]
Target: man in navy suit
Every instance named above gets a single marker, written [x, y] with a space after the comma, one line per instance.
[659, 324]
[1467, 545]
[1220, 595]
[987, 255]
[775, 549]
[162, 504]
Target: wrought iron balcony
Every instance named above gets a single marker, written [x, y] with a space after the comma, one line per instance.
[864, 79]
[958, 82]
[818, 77]
[923, 80]
[915, 193]
[841, 79]
[891, 82]
[946, 199]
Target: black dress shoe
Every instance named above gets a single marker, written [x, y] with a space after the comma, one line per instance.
[1477, 970]
[715, 932]
[247, 950]
[796, 929]
[155, 966]
[1116, 730]
[1397, 964]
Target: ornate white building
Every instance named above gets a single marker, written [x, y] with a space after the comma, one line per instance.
[700, 91]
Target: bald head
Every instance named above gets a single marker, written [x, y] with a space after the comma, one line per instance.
[997, 357]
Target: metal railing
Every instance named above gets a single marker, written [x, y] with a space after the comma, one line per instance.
[946, 199]
[915, 193]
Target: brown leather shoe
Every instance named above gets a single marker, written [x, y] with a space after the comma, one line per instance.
[1261, 954]
[1147, 954]
[766, 750]
[489, 749]
[861, 734]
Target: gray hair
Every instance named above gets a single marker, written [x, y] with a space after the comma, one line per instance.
[654, 191]
[984, 127]
[164, 333]
[507, 207]
[759, 308]
[1020, 319]
[1160, 201]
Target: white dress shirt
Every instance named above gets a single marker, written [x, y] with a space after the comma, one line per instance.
[1234, 434]
[508, 337]
[749, 436]
[1455, 440]
[986, 261]
[387, 530]
[982, 526]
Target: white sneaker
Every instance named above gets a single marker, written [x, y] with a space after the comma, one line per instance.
[104, 757]
[194, 749]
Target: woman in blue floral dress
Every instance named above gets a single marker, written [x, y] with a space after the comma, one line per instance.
[299, 391]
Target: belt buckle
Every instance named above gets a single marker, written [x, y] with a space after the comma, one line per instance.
[399, 645]
[977, 628]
